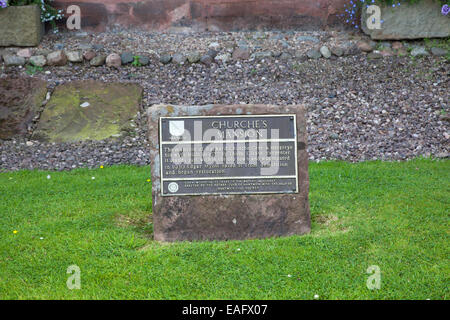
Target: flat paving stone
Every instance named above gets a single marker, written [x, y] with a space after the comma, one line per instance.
[89, 110]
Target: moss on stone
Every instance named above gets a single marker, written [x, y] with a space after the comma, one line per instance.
[111, 108]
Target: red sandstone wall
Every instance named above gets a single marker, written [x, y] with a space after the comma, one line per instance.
[207, 14]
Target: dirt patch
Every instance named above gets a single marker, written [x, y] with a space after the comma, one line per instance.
[140, 221]
[328, 223]
[20, 100]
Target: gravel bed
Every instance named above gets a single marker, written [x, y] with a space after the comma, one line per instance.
[394, 108]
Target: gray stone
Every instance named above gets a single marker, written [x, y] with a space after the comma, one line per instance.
[276, 54]
[285, 56]
[165, 58]
[241, 54]
[38, 61]
[261, 55]
[21, 26]
[206, 59]
[13, 60]
[223, 58]
[179, 58]
[193, 57]
[234, 216]
[57, 58]
[419, 51]
[74, 56]
[326, 53]
[212, 53]
[308, 39]
[313, 54]
[337, 51]
[420, 20]
[127, 57]
[350, 49]
[98, 60]
[438, 51]
[144, 60]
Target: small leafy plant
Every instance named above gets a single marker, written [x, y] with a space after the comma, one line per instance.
[136, 62]
[32, 68]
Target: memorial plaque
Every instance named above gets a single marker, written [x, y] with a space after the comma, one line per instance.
[222, 172]
[252, 154]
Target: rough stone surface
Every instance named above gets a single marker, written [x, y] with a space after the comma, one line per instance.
[419, 20]
[223, 58]
[20, 26]
[26, 53]
[108, 112]
[438, 51]
[165, 58]
[313, 54]
[179, 58]
[337, 51]
[241, 53]
[193, 57]
[206, 59]
[233, 216]
[326, 53]
[98, 61]
[74, 56]
[13, 60]
[144, 60]
[366, 46]
[113, 60]
[57, 58]
[38, 61]
[20, 99]
[212, 15]
[127, 57]
[419, 51]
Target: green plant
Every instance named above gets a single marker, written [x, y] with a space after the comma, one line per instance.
[48, 13]
[136, 62]
[32, 68]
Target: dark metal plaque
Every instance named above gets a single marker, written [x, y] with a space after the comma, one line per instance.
[249, 154]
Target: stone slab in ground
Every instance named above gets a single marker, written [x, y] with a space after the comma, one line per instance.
[230, 216]
[20, 100]
[20, 26]
[409, 21]
[88, 110]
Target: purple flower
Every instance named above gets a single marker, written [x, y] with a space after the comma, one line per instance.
[3, 3]
[445, 9]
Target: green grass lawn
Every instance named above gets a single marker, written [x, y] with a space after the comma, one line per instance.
[390, 214]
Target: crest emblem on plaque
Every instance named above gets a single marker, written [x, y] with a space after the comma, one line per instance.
[176, 128]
